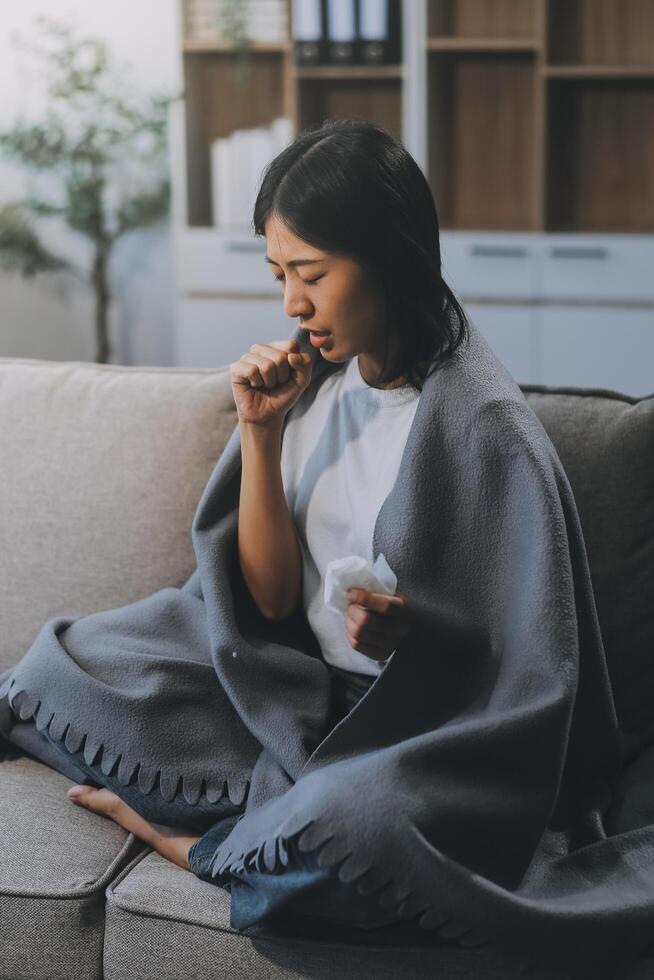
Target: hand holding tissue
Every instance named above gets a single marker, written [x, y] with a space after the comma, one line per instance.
[377, 618]
[342, 573]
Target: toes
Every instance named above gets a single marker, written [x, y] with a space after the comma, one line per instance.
[79, 794]
[99, 800]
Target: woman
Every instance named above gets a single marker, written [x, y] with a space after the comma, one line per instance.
[443, 758]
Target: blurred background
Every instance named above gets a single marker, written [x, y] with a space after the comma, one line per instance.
[133, 137]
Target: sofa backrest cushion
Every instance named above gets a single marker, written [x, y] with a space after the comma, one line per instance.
[103, 467]
[605, 441]
[102, 470]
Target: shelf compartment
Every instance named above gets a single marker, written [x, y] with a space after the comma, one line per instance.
[378, 99]
[481, 140]
[600, 156]
[217, 103]
[601, 32]
[474, 19]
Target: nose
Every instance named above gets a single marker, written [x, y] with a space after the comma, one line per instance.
[296, 301]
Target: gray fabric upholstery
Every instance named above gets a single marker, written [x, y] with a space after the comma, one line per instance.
[57, 860]
[605, 441]
[98, 433]
[163, 923]
[79, 443]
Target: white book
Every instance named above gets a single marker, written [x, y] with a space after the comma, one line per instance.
[261, 153]
[240, 168]
[282, 131]
[220, 183]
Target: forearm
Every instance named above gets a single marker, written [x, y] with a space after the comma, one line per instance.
[269, 551]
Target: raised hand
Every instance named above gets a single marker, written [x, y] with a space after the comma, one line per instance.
[268, 380]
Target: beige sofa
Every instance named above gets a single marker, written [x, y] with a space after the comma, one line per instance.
[79, 445]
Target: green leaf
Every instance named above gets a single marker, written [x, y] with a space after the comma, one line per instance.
[43, 208]
[20, 247]
[143, 209]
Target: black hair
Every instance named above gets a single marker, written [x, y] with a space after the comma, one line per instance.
[349, 186]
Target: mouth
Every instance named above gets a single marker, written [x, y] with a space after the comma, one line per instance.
[317, 339]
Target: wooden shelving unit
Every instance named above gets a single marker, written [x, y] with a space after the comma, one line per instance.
[219, 100]
[539, 114]
[533, 121]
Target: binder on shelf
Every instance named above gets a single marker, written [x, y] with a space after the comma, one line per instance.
[341, 32]
[346, 32]
[373, 31]
[379, 31]
[307, 32]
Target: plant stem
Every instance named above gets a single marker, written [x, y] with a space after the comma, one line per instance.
[102, 298]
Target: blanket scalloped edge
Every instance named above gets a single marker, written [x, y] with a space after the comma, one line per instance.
[96, 752]
[271, 855]
[331, 851]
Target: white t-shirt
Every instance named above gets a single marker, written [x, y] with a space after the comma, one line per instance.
[340, 458]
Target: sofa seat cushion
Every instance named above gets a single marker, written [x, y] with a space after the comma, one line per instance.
[164, 923]
[57, 860]
[605, 441]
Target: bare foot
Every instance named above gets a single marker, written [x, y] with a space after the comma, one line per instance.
[170, 842]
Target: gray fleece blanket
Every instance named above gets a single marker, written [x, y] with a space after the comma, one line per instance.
[493, 724]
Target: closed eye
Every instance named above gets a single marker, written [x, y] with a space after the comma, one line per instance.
[307, 282]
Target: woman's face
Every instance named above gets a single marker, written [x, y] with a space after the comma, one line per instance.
[331, 293]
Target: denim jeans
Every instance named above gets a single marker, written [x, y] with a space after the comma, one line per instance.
[293, 899]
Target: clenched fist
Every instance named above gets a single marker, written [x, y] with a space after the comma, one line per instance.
[268, 380]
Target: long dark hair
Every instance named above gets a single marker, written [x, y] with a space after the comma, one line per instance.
[350, 186]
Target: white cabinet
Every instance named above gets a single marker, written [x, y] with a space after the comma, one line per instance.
[214, 332]
[513, 333]
[213, 262]
[596, 267]
[536, 298]
[490, 265]
[574, 310]
[598, 348]
[229, 299]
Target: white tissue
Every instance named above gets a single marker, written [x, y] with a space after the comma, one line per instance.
[344, 573]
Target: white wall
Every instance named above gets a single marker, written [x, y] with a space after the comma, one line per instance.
[52, 316]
